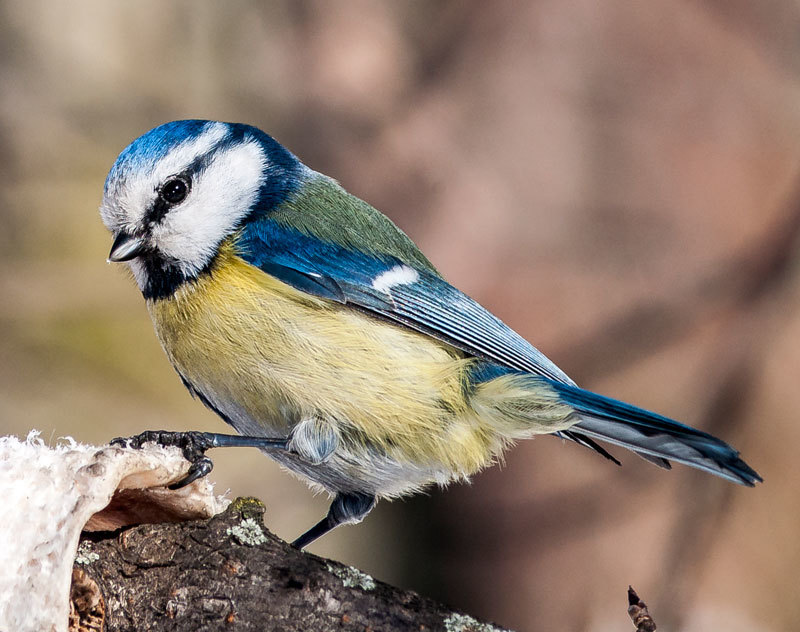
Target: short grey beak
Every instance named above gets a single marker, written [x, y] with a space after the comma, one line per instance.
[126, 247]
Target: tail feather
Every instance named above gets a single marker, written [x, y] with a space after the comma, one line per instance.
[653, 436]
[587, 443]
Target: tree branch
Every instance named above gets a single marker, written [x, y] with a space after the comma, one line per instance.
[205, 574]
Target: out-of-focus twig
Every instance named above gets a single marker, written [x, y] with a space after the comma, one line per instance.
[637, 610]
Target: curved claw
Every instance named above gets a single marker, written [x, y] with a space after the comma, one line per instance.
[200, 468]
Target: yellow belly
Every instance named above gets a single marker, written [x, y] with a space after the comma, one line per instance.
[261, 350]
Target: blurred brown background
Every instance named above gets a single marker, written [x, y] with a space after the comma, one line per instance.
[618, 181]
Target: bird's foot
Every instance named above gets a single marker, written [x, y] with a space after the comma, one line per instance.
[192, 444]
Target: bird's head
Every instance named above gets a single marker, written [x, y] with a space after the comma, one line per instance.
[177, 192]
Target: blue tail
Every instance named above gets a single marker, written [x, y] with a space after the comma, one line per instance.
[652, 435]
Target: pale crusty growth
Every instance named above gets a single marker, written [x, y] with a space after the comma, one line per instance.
[51, 494]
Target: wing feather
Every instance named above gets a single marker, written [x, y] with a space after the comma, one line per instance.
[429, 304]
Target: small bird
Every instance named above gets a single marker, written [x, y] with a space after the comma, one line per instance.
[316, 328]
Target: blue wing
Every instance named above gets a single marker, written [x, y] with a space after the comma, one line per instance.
[420, 299]
[416, 297]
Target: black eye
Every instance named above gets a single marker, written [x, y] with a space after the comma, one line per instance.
[174, 191]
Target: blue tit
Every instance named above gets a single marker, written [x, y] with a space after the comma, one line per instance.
[317, 329]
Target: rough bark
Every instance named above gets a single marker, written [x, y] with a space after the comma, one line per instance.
[230, 572]
[639, 614]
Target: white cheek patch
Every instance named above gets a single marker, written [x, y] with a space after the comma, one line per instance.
[220, 197]
[399, 275]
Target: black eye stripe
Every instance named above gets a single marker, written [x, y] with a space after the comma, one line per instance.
[157, 212]
[166, 198]
[201, 163]
[162, 206]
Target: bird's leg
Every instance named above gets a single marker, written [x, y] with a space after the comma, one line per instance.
[346, 508]
[194, 446]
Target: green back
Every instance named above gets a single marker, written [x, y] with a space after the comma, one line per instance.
[323, 209]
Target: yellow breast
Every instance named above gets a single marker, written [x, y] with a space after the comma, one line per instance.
[261, 349]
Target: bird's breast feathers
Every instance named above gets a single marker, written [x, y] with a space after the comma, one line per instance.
[265, 356]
